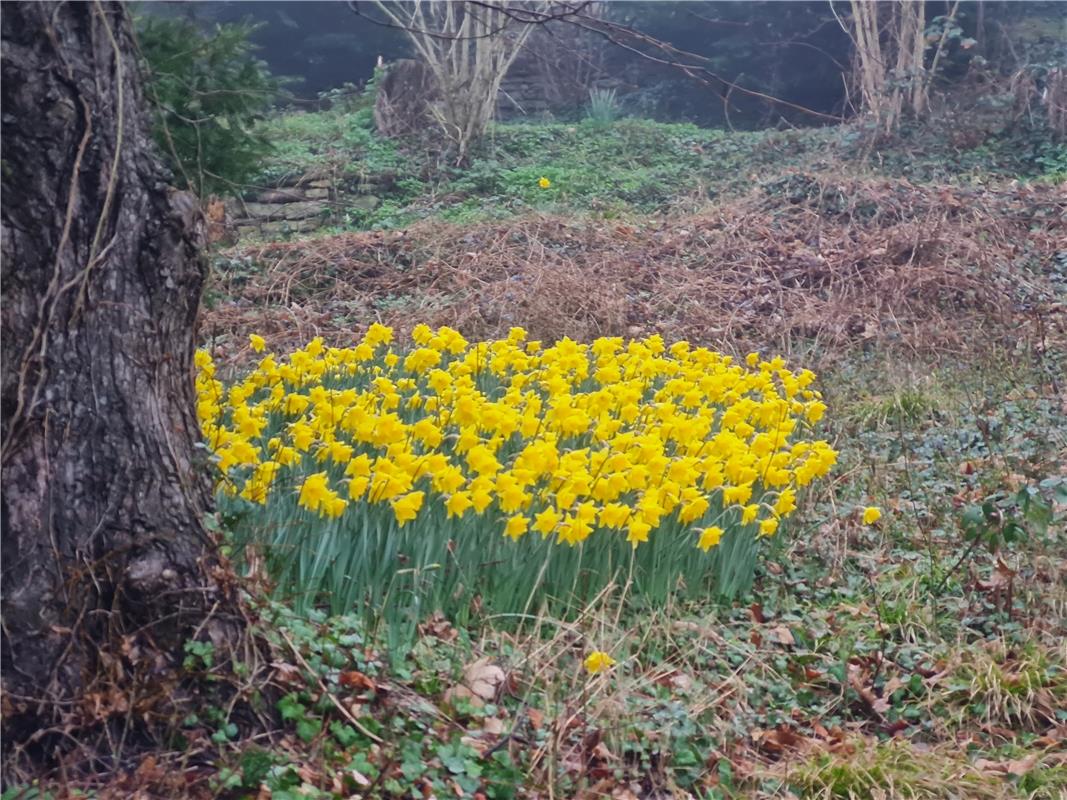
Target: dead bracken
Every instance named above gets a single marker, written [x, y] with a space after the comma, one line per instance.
[836, 262]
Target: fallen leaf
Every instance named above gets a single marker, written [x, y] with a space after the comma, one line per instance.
[1015, 766]
[461, 692]
[286, 673]
[756, 612]
[476, 743]
[439, 628]
[782, 635]
[601, 751]
[776, 741]
[681, 682]
[357, 681]
[148, 770]
[484, 678]
[857, 679]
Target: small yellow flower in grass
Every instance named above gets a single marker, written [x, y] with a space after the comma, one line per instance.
[258, 342]
[597, 662]
[871, 514]
[544, 183]
[709, 538]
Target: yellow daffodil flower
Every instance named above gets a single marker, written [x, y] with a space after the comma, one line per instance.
[597, 662]
[568, 439]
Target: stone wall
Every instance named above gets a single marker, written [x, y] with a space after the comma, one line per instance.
[300, 204]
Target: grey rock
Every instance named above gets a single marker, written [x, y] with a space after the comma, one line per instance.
[366, 202]
[273, 211]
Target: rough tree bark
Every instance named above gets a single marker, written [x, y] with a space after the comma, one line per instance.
[107, 567]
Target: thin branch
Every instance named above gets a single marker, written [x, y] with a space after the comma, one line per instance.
[513, 13]
[609, 29]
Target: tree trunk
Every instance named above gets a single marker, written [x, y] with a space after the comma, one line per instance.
[107, 567]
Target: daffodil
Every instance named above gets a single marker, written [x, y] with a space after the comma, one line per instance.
[598, 661]
[614, 438]
[710, 537]
[637, 532]
[458, 503]
[406, 508]
[546, 521]
[516, 527]
[313, 491]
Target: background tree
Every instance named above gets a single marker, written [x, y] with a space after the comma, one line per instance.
[107, 566]
[207, 91]
[468, 47]
[891, 42]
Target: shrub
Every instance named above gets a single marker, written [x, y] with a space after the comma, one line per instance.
[505, 475]
[206, 92]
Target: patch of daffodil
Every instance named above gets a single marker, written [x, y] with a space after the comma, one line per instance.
[635, 442]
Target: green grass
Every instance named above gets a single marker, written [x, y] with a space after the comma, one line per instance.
[617, 168]
[335, 142]
[599, 167]
[895, 768]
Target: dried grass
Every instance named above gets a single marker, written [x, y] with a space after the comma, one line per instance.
[827, 262]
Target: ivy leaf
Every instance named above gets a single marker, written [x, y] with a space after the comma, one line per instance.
[308, 728]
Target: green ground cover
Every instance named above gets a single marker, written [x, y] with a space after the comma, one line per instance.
[624, 167]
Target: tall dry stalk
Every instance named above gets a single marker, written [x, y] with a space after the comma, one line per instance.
[890, 44]
[469, 48]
